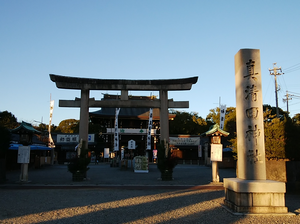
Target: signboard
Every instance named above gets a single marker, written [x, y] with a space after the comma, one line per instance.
[199, 150]
[23, 154]
[141, 164]
[216, 152]
[130, 131]
[73, 138]
[184, 141]
[106, 153]
[131, 144]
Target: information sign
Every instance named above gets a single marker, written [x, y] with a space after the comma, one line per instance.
[23, 154]
[131, 144]
[216, 152]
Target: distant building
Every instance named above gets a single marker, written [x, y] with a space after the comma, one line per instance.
[132, 125]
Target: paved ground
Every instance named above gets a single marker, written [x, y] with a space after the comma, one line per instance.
[103, 175]
[112, 195]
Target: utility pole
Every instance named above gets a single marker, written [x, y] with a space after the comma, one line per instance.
[275, 73]
[286, 99]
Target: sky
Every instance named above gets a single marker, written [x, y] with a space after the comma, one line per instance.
[133, 39]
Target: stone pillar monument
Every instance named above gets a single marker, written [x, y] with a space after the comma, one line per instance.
[250, 192]
[249, 116]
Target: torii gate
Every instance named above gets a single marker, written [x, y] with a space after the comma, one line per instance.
[87, 84]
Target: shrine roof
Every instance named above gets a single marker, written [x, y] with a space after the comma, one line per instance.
[214, 129]
[27, 127]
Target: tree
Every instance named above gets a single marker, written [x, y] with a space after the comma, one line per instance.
[275, 136]
[42, 127]
[187, 123]
[292, 129]
[267, 107]
[281, 138]
[230, 120]
[68, 126]
[296, 119]
[8, 120]
[214, 116]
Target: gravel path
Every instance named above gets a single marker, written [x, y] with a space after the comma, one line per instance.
[123, 206]
[109, 197]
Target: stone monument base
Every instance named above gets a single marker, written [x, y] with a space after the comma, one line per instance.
[255, 196]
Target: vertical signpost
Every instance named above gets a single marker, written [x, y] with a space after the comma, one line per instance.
[216, 149]
[23, 158]
[215, 156]
[131, 146]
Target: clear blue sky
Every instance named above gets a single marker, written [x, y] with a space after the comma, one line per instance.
[142, 40]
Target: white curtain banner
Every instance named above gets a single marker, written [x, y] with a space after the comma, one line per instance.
[116, 139]
[51, 112]
[149, 129]
[222, 116]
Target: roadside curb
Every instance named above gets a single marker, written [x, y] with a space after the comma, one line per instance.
[125, 187]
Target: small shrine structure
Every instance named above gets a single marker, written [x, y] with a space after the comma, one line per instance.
[215, 133]
[26, 132]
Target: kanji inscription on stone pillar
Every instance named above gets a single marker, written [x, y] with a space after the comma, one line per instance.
[249, 115]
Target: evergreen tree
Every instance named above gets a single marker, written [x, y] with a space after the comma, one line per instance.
[275, 136]
[8, 120]
[69, 126]
[187, 123]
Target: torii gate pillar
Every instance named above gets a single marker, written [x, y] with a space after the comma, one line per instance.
[164, 115]
[84, 117]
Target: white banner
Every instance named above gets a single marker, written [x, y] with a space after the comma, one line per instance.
[222, 115]
[51, 112]
[149, 129]
[116, 138]
[51, 142]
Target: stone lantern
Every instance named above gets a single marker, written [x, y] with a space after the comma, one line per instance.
[215, 134]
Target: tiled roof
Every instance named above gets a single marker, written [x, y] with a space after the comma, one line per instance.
[215, 129]
[25, 126]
